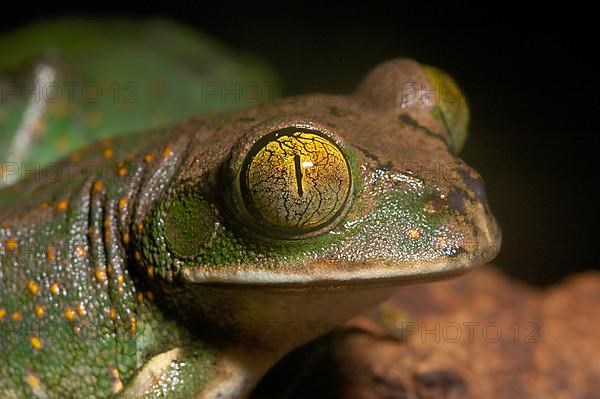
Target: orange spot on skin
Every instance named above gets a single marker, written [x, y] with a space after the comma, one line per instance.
[69, 314]
[107, 222]
[36, 343]
[33, 287]
[133, 325]
[150, 272]
[76, 157]
[123, 204]
[120, 280]
[140, 228]
[80, 251]
[140, 297]
[11, 245]
[122, 172]
[109, 270]
[112, 313]
[17, 316]
[34, 383]
[39, 310]
[45, 205]
[414, 234]
[50, 254]
[97, 187]
[108, 153]
[54, 288]
[167, 152]
[81, 309]
[62, 205]
[148, 158]
[150, 295]
[100, 275]
[126, 238]
[137, 255]
[107, 236]
[2, 314]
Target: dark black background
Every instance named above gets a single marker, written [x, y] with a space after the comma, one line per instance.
[530, 79]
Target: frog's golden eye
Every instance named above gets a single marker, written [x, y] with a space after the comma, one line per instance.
[295, 181]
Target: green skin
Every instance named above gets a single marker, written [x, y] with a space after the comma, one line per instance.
[216, 299]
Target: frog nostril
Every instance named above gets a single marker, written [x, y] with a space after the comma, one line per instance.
[474, 181]
[456, 200]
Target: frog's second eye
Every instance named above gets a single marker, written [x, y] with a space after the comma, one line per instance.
[453, 105]
[294, 181]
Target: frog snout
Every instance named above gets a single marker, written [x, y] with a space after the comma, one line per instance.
[467, 186]
[489, 233]
[468, 197]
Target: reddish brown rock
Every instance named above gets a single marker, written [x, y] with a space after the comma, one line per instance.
[477, 336]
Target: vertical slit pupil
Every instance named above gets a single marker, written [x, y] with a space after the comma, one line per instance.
[298, 171]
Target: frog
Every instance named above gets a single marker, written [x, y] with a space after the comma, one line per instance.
[71, 81]
[197, 255]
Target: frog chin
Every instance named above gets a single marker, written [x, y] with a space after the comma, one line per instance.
[311, 302]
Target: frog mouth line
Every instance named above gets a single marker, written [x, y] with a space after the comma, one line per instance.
[332, 284]
[322, 275]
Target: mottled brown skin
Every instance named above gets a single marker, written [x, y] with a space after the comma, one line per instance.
[416, 213]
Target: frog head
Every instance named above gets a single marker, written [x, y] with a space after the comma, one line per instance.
[315, 207]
